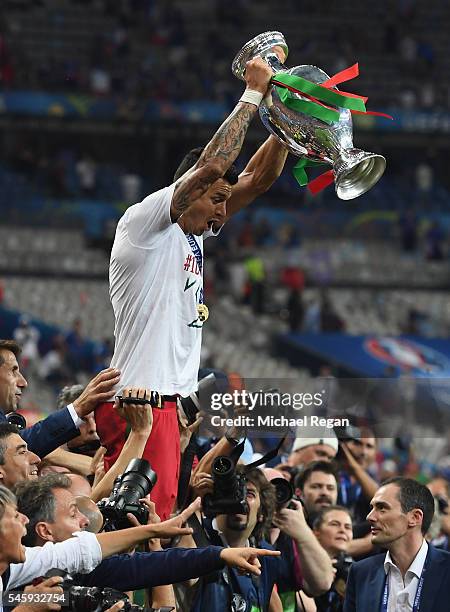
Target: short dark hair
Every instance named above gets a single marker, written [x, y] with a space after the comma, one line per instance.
[321, 516]
[314, 466]
[266, 492]
[6, 429]
[36, 499]
[412, 495]
[9, 345]
[192, 157]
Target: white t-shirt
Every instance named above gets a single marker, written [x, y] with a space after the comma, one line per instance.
[155, 286]
[80, 554]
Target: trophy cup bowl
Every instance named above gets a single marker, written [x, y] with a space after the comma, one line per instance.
[355, 170]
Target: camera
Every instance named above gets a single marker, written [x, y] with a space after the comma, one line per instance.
[207, 386]
[136, 482]
[229, 494]
[344, 434]
[284, 492]
[14, 418]
[349, 432]
[343, 564]
[96, 599]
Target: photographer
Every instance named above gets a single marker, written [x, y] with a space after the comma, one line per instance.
[356, 486]
[316, 487]
[333, 529]
[439, 531]
[54, 517]
[228, 590]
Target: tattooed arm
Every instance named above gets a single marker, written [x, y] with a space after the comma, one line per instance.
[224, 147]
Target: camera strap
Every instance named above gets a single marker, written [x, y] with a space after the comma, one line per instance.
[5, 577]
[185, 471]
[267, 457]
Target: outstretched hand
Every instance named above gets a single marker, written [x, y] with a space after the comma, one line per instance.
[246, 559]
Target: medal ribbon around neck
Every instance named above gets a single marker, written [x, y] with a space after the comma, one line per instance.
[202, 309]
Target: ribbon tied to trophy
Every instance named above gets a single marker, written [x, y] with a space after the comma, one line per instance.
[310, 116]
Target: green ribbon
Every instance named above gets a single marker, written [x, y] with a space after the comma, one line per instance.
[311, 108]
[330, 96]
[308, 108]
[299, 171]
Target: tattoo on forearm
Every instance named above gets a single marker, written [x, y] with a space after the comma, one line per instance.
[224, 148]
[227, 142]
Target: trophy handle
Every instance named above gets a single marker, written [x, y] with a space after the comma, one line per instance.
[262, 46]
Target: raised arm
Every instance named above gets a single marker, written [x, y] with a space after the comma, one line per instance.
[315, 563]
[141, 421]
[225, 145]
[261, 172]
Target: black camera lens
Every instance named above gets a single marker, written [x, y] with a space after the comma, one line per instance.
[222, 467]
[14, 418]
[137, 481]
[284, 491]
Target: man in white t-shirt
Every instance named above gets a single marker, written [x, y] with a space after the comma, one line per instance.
[156, 277]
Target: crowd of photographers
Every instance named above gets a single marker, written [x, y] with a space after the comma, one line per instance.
[243, 536]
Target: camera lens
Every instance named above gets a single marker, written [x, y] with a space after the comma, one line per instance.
[222, 467]
[283, 491]
[137, 481]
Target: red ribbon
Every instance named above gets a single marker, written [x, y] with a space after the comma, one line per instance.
[320, 182]
[373, 113]
[344, 75]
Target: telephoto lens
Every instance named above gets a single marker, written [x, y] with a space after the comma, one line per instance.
[135, 483]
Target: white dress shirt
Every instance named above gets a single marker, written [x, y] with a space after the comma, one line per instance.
[75, 418]
[402, 592]
[80, 554]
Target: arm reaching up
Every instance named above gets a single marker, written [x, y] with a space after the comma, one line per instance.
[225, 145]
[140, 418]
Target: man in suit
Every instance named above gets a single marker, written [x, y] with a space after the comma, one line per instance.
[412, 575]
[60, 427]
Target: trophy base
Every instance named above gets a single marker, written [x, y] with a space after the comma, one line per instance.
[354, 179]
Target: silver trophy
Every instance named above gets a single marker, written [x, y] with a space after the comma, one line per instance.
[355, 171]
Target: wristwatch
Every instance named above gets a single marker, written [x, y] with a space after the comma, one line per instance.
[234, 441]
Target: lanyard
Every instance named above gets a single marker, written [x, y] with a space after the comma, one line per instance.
[196, 250]
[348, 490]
[416, 605]
[198, 258]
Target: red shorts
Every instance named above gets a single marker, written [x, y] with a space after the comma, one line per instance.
[162, 449]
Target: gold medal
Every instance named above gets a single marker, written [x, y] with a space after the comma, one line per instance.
[203, 312]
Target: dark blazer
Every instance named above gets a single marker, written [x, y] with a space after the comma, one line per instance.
[146, 570]
[46, 435]
[366, 581]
